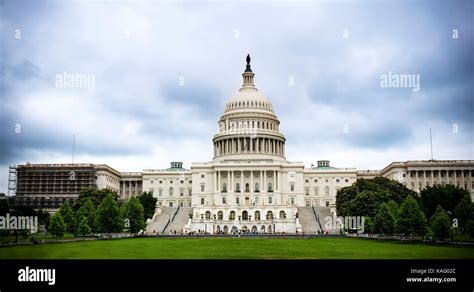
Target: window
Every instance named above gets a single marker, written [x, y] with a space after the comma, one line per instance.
[257, 215]
[292, 187]
[292, 200]
[189, 192]
[171, 191]
[220, 215]
[307, 191]
[237, 200]
[237, 187]
[327, 203]
[256, 200]
[315, 180]
[326, 191]
[282, 214]
[247, 188]
[170, 204]
[347, 180]
[181, 193]
[190, 181]
[269, 215]
[307, 181]
[224, 188]
[208, 215]
[202, 175]
[327, 180]
[171, 181]
[256, 188]
[224, 200]
[202, 201]
[181, 181]
[203, 187]
[181, 204]
[316, 191]
[232, 215]
[160, 181]
[307, 203]
[151, 181]
[270, 187]
[337, 180]
[270, 200]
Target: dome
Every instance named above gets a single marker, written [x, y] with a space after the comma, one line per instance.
[249, 127]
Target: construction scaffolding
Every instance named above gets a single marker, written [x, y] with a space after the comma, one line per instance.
[12, 176]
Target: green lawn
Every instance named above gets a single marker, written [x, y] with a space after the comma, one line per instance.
[235, 248]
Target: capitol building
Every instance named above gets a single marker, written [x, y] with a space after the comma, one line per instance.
[248, 186]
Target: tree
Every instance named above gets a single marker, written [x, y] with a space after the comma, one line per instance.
[411, 219]
[368, 225]
[109, 218]
[84, 228]
[364, 197]
[68, 217]
[446, 196]
[384, 221]
[393, 206]
[57, 227]
[149, 204]
[88, 211]
[133, 211]
[95, 195]
[440, 223]
[464, 212]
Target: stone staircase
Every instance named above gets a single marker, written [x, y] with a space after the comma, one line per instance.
[309, 222]
[321, 213]
[160, 222]
[179, 220]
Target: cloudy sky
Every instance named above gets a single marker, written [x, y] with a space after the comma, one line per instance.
[162, 72]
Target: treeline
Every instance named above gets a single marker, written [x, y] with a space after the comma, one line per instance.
[391, 208]
[94, 211]
[100, 211]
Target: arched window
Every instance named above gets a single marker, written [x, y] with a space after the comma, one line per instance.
[292, 187]
[282, 214]
[270, 187]
[257, 215]
[245, 215]
[247, 188]
[171, 191]
[232, 215]
[220, 215]
[257, 187]
[237, 187]
[269, 215]
[224, 188]
[208, 215]
[326, 190]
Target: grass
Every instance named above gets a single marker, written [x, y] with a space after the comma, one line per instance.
[235, 248]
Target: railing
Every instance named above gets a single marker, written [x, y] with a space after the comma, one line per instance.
[317, 219]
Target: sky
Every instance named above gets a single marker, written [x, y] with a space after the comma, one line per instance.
[159, 74]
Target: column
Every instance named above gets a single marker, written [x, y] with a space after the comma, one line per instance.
[462, 179]
[432, 178]
[439, 177]
[274, 181]
[231, 187]
[251, 182]
[279, 181]
[424, 178]
[136, 188]
[265, 181]
[215, 181]
[416, 181]
[262, 187]
[455, 178]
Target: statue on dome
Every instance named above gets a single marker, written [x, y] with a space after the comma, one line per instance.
[248, 59]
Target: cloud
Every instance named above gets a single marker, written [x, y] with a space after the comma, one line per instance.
[138, 115]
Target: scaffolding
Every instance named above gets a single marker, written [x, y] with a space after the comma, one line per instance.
[12, 176]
